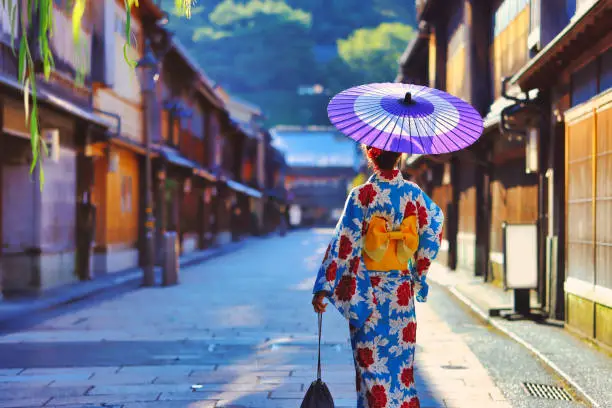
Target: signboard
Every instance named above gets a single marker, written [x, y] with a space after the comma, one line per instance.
[520, 256]
[295, 215]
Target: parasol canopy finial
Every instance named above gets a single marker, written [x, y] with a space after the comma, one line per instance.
[408, 99]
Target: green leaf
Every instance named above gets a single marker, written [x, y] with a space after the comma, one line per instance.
[44, 148]
[77, 16]
[128, 31]
[35, 138]
[23, 44]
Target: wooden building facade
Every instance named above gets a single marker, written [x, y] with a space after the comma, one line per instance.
[541, 159]
[41, 230]
[572, 69]
[89, 220]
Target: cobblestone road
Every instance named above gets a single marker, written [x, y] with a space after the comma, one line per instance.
[241, 327]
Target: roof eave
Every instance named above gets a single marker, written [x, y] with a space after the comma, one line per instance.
[525, 77]
[414, 45]
[205, 86]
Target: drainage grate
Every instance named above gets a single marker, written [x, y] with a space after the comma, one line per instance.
[547, 391]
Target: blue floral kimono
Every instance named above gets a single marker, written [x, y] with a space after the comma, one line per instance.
[377, 260]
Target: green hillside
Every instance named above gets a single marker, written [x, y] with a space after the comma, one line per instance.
[273, 52]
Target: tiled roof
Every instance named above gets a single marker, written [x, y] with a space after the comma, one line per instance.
[315, 148]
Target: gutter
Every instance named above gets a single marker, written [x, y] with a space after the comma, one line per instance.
[58, 103]
[527, 70]
[422, 34]
[114, 116]
[180, 49]
[518, 105]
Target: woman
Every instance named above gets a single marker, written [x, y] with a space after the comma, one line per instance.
[377, 260]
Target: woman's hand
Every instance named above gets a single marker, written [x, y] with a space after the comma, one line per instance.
[317, 302]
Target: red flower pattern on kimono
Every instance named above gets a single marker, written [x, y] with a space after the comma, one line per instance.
[345, 247]
[423, 215]
[346, 288]
[413, 403]
[330, 273]
[377, 397]
[410, 209]
[366, 195]
[409, 333]
[389, 174]
[408, 376]
[423, 265]
[404, 294]
[354, 266]
[365, 357]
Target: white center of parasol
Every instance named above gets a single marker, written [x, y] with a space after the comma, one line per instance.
[444, 118]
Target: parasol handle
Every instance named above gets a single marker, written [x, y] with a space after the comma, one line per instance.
[408, 99]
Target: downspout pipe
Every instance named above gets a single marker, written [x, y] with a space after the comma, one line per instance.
[114, 116]
[519, 104]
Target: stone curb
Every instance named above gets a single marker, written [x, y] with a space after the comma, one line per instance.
[485, 316]
[85, 290]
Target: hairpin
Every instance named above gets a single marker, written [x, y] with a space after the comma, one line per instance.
[374, 152]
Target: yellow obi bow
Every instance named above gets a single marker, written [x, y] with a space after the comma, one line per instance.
[390, 250]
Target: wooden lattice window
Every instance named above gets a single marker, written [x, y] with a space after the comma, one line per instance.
[603, 206]
[589, 191]
[580, 191]
[509, 46]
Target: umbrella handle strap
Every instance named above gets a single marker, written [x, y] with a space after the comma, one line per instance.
[320, 318]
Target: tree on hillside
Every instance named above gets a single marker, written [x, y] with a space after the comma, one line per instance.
[257, 45]
[372, 54]
[333, 19]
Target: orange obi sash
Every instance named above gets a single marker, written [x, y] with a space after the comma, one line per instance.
[390, 250]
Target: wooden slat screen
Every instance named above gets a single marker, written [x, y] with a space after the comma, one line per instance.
[603, 207]
[580, 245]
[442, 196]
[456, 56]
[176, 132]
[514, 199]
[467, 198]
[98, 198]
[185, 144]
[123, 201]
[509, 48]
[467, 211]
[432, 59]
[189, 212]
[165, 117]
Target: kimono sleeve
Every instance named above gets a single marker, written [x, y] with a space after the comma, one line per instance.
[343, 274]
[431, 222]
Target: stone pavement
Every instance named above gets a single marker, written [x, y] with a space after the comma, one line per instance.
[16, 307]
[587, 369]
[239, 326]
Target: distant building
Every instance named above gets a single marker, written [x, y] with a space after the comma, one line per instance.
[322, 164]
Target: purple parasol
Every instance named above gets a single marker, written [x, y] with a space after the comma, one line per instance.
[405, 118]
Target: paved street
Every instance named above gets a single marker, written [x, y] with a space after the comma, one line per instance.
[241, 327]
